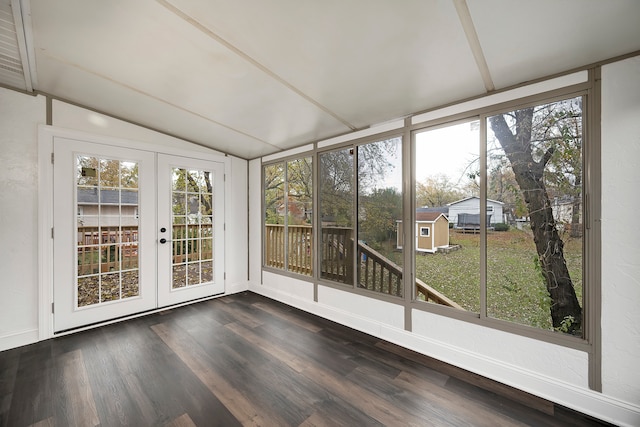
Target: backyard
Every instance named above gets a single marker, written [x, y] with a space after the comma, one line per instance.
[515, 288]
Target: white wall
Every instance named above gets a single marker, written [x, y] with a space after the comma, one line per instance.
[550, 371]
[19, 118]
[620, 231]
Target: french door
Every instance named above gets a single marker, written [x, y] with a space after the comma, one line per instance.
[191, 227]
[133, 231]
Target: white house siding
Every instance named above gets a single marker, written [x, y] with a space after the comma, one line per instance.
[472, 206]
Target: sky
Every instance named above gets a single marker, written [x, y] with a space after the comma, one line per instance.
[444, 151]
[447, 151]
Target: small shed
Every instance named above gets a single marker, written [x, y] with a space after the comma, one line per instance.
[431, 231]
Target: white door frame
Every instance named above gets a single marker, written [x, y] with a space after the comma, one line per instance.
[46, 136]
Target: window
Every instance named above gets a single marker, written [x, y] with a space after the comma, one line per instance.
[528, 188]
[288, 207]
[359, 214]
[534, 166]
[497, 229]
[447, 183]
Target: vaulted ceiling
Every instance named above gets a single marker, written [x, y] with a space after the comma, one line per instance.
[254, 77]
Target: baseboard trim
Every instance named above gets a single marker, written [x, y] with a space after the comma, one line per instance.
[568, 395]
[18, 339]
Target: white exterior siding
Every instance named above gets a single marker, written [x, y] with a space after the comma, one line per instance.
[471, 205]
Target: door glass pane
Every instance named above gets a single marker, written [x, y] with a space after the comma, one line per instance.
[107, 230]
[192, 235]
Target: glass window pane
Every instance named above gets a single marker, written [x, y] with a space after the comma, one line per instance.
[178, 179]
[87, 171]
[379, 210]
[88, 290]
[446, 232]
[110, 287]
[107, 228]
[336, 194]
[109, 173]
[534, 169]
[274, 211]
[299, 215]
[129, 174]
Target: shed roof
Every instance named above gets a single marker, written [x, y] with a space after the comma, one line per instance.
[429, 216]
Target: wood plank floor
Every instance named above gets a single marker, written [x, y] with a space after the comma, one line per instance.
[247, 360]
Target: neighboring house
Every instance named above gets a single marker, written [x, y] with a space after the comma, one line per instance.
[432, 232]
[297, 212]
[465, 213]
[115, 208]
[562, 208]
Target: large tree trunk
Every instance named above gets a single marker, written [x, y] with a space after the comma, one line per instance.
[549, 246]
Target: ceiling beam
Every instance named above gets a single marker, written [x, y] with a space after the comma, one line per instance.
[474, 43]
[26, 52]
[203, 28]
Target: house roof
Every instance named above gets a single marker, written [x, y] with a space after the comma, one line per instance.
[439, 209]
[89, 196]
[429, 216]
[473, 197]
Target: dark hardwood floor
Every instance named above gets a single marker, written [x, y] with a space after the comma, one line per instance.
[247, 360]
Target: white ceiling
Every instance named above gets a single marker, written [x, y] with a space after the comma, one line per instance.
[254, 77]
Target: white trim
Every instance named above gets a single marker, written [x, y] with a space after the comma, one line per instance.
[136, 315]
[509, 95]
[373, 130]
[580, 399]
[54, 131]
[18, 339]
[287, 153]
[45, 242]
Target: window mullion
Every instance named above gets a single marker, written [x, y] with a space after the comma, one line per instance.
[483, 216]
[285, 243]
[356, 218]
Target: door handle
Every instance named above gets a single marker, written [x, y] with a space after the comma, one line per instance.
[163, 240]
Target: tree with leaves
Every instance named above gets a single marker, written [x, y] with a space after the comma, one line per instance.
[436, 191]
[379, 211]
[530, 138]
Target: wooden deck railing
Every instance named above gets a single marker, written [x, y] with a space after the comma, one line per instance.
[336, 262]
[104, 249]
[300, 243]
[376, 272]
[101, 250]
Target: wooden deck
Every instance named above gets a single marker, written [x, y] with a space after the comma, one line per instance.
[375, 272]
[246, 360]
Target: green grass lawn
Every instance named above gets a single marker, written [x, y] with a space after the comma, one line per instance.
[515, 288]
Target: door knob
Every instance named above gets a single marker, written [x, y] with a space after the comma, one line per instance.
[162, 230]
[163, 240]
